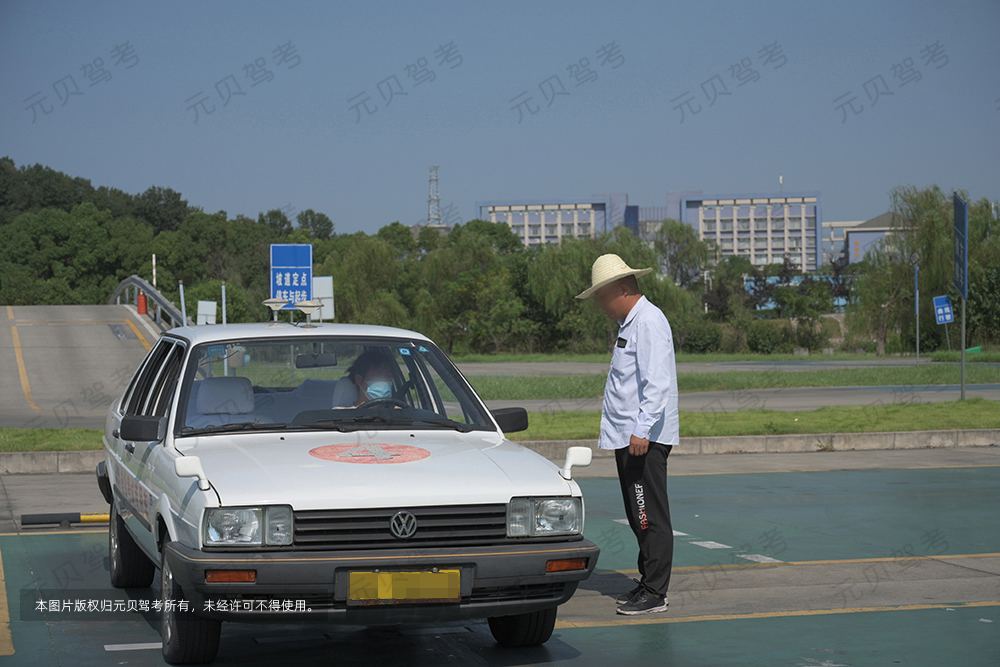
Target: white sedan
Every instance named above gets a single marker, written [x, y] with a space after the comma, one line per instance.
[335, 474]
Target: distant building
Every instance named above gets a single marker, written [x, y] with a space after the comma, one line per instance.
[834, 241]
[763, 227]
[550, 221]
[861, 238]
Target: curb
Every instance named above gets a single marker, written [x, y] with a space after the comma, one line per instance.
[34, 463]
[783, 444]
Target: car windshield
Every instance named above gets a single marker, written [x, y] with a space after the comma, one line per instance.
[324, 383]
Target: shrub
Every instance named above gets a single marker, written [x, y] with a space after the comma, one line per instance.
[766, 337]
[703, 337]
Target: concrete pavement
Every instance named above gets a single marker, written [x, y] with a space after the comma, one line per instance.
[64, 364]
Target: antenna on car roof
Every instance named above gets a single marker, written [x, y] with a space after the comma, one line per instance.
[309, 307]
[275, 305]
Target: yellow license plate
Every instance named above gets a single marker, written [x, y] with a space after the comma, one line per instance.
[401, 587]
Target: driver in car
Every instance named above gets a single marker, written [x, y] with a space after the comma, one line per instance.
[372, 373]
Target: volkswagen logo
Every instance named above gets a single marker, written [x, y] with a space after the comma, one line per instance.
[403, 525]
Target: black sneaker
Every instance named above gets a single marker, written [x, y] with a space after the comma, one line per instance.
[645, 602]
[627, 597]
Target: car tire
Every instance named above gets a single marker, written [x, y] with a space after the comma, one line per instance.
[129, 566]
[531, 629]
[188, 639]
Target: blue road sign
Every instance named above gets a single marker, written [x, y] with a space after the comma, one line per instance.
[961, 247]
[942, 310]
[291, 272]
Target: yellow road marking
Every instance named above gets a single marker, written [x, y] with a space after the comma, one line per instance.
[6, 642]
[889, 559]
[22, 371]
[10, 313]
[135, 330]
[768, 614]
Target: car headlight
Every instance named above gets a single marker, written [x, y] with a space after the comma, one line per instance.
[248, 526]
[529, 517]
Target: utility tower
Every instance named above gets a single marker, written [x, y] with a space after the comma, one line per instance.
[434, 200]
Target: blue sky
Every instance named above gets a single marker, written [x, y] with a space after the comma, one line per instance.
[294, 141]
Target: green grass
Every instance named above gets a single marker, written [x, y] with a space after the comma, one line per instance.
[971, 414]
[49, 439]
[592, 386]
[604, 358]
[989, 357]
[597, 357]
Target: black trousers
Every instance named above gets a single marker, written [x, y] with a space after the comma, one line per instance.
[644, 490]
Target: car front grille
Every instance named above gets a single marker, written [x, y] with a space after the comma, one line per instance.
[444, 526]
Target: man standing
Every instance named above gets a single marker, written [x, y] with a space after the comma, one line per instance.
[639, 420]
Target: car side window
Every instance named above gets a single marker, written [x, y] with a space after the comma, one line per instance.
[143, 385]
[164, 385]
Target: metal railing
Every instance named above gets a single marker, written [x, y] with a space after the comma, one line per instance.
[130, 288]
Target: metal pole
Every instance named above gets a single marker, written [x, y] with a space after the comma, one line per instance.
[947, 337]
[154, 269]
[225, 357]
[916, 304]
[963, 348]
[184, 312]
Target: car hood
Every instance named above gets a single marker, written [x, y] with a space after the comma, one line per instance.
[387, 469]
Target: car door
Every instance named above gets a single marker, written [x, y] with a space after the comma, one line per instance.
[131, 487]
[158, 468]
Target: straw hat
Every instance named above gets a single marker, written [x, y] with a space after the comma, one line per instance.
[606, 270]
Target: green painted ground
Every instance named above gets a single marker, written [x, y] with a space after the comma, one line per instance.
[799, 516]
[790, 516]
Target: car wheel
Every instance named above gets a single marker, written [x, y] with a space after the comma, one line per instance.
[188, 639]
[524, 629]
[129, 566]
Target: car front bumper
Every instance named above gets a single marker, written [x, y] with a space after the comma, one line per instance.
[315, 585]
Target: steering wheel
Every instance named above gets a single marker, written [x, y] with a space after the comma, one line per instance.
[378, 402]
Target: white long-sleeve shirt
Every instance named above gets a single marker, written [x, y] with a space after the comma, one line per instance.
[640, 397]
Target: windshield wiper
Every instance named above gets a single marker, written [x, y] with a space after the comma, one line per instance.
[451, 423]
[220, 428]
[390, 421]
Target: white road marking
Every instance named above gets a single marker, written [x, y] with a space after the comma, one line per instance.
[759, 558]
[711, 545]
[625, 522]
[132, 647]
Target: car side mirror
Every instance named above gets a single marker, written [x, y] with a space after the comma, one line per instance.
[576, 456]
[511, 420]
[143, 429]
[190, 466]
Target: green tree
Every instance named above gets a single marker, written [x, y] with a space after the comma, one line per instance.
[400, 237]
[161, 208]
[277, 221]
[682, 252]
[318, 224]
